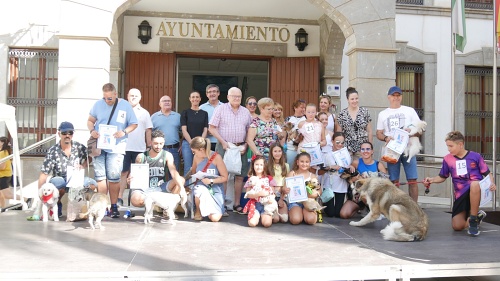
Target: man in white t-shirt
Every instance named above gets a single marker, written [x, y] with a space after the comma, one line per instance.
[138, 140]
[398, 116]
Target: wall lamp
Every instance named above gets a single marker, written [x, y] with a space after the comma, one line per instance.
[301, 39]
[144, 32]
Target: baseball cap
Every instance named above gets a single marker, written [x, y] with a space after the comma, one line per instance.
[394, 89]
[65, 127]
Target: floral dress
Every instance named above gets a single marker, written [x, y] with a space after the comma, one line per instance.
[267, 133]
[355, 131]
[267, 184]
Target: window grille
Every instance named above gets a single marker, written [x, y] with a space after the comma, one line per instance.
[410, 79]
[479, 4]
[478, 105]
[33, 92]
[410, 2]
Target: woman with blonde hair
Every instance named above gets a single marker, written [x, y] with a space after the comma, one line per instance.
[208, 193]
[325, 103]
[278, 114]
[251, 105]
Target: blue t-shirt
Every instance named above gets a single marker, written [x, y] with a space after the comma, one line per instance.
[122, 117]
[210, 110]
[170, 126]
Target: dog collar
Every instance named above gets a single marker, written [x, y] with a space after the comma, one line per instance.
[46, 198]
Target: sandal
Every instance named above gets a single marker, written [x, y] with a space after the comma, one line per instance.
[198, 217]
[237, 209]
[33, 218]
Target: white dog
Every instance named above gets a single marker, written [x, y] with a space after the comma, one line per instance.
[269, 202]
[167, 201]
[414, 145]
[49, 195]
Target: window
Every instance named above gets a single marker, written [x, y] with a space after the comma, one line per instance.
[479, 4]
[479, 111]
[33, 92]
[410, 79]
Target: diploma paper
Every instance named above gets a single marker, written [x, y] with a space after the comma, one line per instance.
[74, 176]
[140, 176]
[342, 157]
[106, 139]
[486, 194]
[399, 141]
[297, 187]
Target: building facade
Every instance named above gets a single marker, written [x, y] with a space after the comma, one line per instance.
[55, 59]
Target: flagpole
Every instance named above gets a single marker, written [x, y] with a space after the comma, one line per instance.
[494, 148]
[452, 99]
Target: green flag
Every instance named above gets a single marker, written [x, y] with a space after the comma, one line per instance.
[458, 23]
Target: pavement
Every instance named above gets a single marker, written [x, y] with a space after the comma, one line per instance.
[230, 250]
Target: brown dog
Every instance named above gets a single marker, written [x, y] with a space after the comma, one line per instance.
[407, 220]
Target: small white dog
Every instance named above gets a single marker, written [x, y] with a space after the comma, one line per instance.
[167, 201]
[49, 195]
[269, 202]
[414, 145]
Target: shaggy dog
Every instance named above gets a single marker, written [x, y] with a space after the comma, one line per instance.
[49, 195]
[414, 145]
[98, 203]
[167, 201]
[269, 202]
[407, 220]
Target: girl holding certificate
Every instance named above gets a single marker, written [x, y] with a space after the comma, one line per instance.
[467, 169]
[296, 211]
[311, 129]
[332, 180]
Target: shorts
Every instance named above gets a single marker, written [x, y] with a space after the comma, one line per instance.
[462, 204]
[410, 168]
[108, 166]
[291, 205]
[244, 160]
[128, 159]
[5, 182]
[161, 188]
[60, 183]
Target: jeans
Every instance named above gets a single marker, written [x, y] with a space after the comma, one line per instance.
[187, 155]
[109, 166]
[59, 182]
[177, 158]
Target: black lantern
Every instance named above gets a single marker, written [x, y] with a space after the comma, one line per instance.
[144, 31]
[301, 39]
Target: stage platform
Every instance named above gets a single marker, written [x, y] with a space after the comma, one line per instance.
[230, 250]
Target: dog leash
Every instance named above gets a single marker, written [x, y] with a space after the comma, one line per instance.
[427, 185]
[206, 167]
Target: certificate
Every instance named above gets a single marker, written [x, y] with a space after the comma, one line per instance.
[140, 176]
[74, 176]
[399, 141]
[314, 151]
[297, 187]
[486, 194]
[106, 139]
[342, 157]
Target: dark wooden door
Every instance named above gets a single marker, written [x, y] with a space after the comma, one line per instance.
[153, 74]
[291, 79]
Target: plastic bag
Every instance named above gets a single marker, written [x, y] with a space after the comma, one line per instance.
[232, 159]
[389, 155]
[77, 204]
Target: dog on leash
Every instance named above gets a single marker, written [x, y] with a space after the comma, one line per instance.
[167, 201]
[49, 195]
[97, 205]
[414, 146]
[407, 220]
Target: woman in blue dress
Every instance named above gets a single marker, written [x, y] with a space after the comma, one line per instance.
[208, 192]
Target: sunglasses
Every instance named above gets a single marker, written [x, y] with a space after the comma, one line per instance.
[252, 103]
[368, 149]
[339, 142]
[111, 98]
[67, 133]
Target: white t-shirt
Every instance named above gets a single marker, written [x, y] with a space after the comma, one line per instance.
[137, 138]
[391, 118]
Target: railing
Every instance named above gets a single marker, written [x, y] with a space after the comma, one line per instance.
[410, 2]
[31, 147]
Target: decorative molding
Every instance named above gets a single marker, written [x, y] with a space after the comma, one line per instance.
[371, 50]
[89, 38]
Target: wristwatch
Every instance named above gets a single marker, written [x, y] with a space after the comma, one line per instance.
[124, 131]
[211, 181]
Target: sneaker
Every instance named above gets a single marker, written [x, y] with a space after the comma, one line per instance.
[473, 226]
[114, 212]
[481, 215]
[120, 202]
[59, 209]
[225, 214]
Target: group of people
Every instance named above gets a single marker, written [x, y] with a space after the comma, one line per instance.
[271, 147]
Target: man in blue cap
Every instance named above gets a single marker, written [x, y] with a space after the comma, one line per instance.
[398, 116]
[63, 160]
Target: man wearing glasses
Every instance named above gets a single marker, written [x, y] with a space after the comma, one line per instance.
[213, 102]
[62, 159]
[230, 123]
[119, 122]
